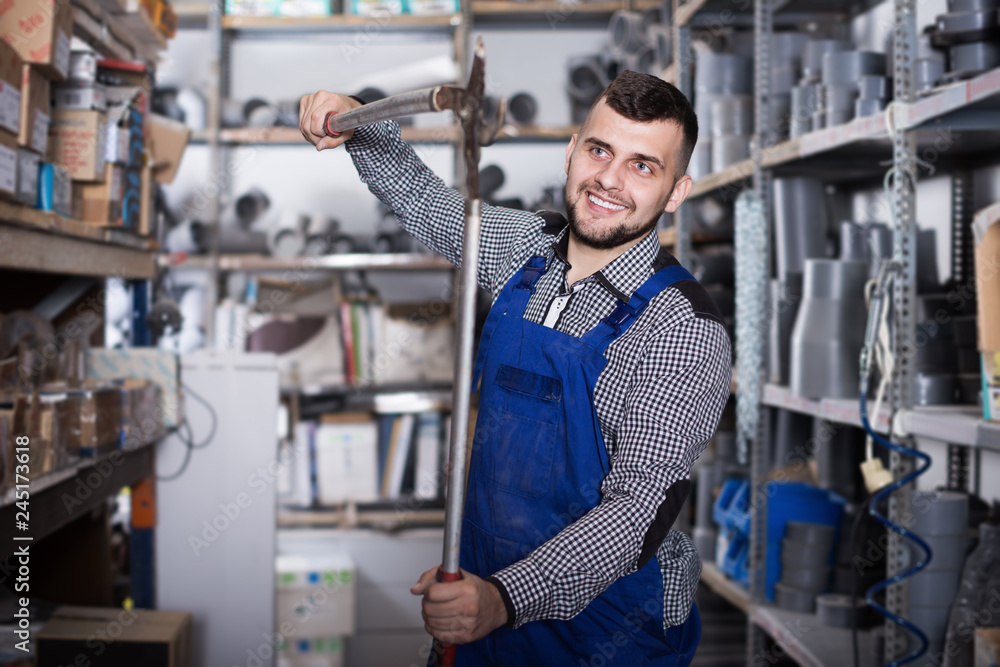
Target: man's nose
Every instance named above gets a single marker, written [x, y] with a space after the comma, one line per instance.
[610, 176]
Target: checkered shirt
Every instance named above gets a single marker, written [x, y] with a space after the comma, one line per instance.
[658, 399]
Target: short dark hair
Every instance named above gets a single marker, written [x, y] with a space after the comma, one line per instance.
[646, 98]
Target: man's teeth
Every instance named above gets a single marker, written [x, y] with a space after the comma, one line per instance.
[605, 204]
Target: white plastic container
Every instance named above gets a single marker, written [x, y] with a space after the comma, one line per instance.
[316, 596]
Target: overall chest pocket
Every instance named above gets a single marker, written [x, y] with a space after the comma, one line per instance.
[519, 431]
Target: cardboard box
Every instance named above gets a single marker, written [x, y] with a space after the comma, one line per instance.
[40, 31]
[36, 110]
[82, 97]
[147, 223]
[987, 647]
[141, 637]
[301, 579]
[100, 203]
[8, 165]
[167, 139]
[94, 421]
[10, 89]
[55, 190]
[142, 419]
[986, 229]
[159, 366]
[28, 163]
[83, 67]
[76, 141]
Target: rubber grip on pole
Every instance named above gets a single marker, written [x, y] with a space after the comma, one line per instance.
[446, 652]
[326, 125]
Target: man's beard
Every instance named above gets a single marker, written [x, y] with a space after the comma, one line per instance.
[616, 237]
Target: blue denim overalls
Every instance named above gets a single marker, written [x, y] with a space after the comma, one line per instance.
[537, 465]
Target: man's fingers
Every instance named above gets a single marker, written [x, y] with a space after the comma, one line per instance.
[426, 578]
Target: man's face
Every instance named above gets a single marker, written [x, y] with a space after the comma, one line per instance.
[620, 177]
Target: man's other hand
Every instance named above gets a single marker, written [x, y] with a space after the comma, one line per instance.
[312, 116]
[459, 612]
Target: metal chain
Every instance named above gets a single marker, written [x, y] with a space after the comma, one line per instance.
[750, 238]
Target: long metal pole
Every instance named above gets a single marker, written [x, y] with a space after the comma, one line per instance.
[462, 387]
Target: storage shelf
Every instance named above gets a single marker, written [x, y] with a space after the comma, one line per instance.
[809, 642]
[291, 136]
[399, 514]
[32, 240]
[301, 265]
[836, 410]
[733, 174]
[543, 14]
[58, 498]
[668, 237]
[339, 23]
[516, 133]
[738, 596]
[954, 424]
[689, 11]
[118, 35]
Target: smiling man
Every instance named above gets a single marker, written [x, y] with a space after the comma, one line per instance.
[605, 367]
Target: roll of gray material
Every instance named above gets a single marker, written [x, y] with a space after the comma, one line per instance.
[231, 113]
[940, 513]
[947, 552]
[812, 56]
[703, 509]
[931, 619]
[703, 105]
[804, 105]
[853, 242]
[836, 458]
[970, 388]
[522, 108]
[971, 5]
[251, 205]
[729, 150]
[626, 32]
[800, 554]
[927, 271]
[974, 21]
[813, 579]
[799, 223]
[835, 117]
[873, 86]
[934, 389]
[586, 79]
[643, 60]
[839, 611]
[975, 57]
[828, 334]
[840, 96]
[934, 587]
[704, 543]
[723, 73]
[794, 599]
[259, 113]
[231, 240]
[700, 164]
[732, 115]
[788, 48]
[842, 67]
[783, 79]
[819, 120]
[810, 533]
[865, 108]
[929, 72]
[785, 297]
[781, 112]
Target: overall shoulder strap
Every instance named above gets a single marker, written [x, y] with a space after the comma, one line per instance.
[624, 314]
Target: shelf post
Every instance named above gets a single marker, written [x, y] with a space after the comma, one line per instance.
[683, 61]
[904, 299]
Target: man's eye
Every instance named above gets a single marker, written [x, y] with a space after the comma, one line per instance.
[598, 152]
[643, 167]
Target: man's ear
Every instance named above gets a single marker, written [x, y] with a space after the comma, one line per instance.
[682, 188]
[569, 152]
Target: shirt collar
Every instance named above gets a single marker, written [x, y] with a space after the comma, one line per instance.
[627, 272]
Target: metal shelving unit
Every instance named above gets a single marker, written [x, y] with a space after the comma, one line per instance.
[959, 123]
